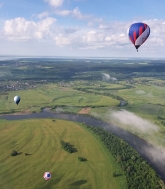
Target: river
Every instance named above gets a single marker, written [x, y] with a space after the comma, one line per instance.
[153, 155]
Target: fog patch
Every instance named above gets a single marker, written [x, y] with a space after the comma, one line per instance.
[150, 95]
[133, 121]
[107, 77]
[140, 92]
[156, 154]
[59, 110]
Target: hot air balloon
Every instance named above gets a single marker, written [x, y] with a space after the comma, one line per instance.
[17, 99]
[138, 33]
[47, 175]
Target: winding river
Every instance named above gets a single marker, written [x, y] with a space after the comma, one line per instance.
[154, 156]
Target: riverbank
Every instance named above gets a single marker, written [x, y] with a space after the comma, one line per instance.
[154, 156]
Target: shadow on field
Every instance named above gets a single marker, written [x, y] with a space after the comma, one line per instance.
[79, 182]
[50, 184]
[118, 175]
[19, 153]
[26, 154]
[74, 150]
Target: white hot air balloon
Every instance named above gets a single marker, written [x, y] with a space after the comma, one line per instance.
[17, 99]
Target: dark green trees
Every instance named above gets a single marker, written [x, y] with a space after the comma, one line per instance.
[139, 174]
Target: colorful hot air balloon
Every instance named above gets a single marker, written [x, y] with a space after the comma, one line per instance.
[138, 33]
[47, 175]
[17, 99]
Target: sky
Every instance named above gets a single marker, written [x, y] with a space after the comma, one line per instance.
[80, 28]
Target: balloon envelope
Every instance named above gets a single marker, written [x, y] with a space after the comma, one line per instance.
[47, 175]
[17, 99]
[138, 33]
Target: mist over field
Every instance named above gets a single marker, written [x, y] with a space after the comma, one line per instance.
[107, 77]
[68, 89]
[133, 121]
[141, 92]
[59, 110]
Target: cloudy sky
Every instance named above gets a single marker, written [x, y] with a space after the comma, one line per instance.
[96, 28]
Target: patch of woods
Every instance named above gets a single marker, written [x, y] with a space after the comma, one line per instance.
[101, 93]
[15, 153]
[163, 120]
[82, 159]
[68, 147]
[138, 172]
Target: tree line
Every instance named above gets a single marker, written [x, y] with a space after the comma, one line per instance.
[117, 97]
[139, 174]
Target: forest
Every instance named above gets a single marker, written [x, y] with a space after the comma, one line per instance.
[138, 172]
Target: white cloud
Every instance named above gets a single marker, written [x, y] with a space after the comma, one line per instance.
[43, 15]
[110, 36]
[62, 41]
[103, 26]
[63, 12]
[54, 3]
[104, 38]
[122, 35]
[115, 35]
[157, 31]
[19, 29]
[93, 36]
[74, 13]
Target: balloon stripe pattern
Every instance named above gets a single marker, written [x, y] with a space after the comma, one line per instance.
[138, 33]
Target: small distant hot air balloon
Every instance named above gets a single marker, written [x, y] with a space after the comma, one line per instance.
[17, 99]
[138, 33]
[47, 175]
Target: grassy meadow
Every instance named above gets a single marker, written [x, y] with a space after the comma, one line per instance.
[41, 138]
[145, 99]
[51, 95]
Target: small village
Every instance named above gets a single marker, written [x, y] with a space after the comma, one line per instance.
[17, 85]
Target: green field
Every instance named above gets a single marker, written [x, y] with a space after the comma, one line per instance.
[41, 139]
[51, 95]
[144, 99]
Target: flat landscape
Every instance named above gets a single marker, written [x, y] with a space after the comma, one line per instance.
[125, 93]
[41, 139]
[74, 86]
[82, 94]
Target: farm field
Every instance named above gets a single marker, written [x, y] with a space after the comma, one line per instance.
[144, 99]
[49, 96]
[40, 138]
[125, 93]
